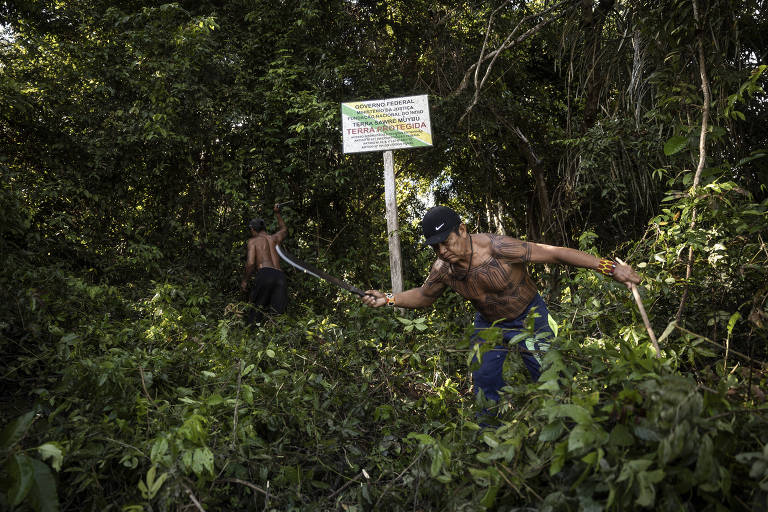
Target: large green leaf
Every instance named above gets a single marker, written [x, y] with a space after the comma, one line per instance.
[675, 145]
[52, 451]
[621, 436]
[202, 460]
[576, 412]
[646, 487]
[15, 430]
[580, 437]
[21, 472]
[551, 431]
[43, 494]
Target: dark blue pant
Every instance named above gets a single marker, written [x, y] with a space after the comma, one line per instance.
[489, 376]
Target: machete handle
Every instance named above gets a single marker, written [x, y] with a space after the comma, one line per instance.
[358, 291]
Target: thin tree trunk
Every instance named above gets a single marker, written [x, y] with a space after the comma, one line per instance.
[702, 147]
[540, 230]
[499, 219]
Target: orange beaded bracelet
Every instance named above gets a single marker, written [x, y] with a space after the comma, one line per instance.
[606, 266]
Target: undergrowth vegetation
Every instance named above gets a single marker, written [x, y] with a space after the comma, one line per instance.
[156, 397]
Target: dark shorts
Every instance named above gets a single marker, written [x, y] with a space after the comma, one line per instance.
[269, 294]
[489, 376]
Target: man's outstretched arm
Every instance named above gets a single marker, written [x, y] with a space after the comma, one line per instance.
[411, 299]
[542, 253]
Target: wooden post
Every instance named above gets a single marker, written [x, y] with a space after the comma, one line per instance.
[393, 227]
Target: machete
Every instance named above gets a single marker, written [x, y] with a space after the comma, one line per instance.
[309, 269]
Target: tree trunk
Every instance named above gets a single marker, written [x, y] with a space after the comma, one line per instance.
[702, 147]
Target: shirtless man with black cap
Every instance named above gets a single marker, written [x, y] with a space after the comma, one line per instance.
[490, 270]
[269, 293]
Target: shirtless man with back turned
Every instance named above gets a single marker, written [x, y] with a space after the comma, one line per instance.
[269, 293]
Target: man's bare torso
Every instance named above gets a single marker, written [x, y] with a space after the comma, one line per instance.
[497, 284]
[264, 248]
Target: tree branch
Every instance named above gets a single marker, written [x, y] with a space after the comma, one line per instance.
[509, 42]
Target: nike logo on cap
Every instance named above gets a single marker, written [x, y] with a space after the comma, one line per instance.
[438, 227]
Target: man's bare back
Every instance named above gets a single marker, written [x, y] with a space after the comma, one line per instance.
[262, 248]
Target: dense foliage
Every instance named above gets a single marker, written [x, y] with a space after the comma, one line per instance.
[138, 138]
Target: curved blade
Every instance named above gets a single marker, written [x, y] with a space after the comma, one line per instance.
[309, 269]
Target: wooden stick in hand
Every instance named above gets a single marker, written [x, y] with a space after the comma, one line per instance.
[648, 327]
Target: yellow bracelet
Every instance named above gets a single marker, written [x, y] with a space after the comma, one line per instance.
[390, 299]
[606, 266]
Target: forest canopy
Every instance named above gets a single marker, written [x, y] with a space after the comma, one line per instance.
[138, 138]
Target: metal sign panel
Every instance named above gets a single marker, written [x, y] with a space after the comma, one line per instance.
[383, 125]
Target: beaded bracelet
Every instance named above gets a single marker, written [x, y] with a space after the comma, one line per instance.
[390, 299]
[606, 266]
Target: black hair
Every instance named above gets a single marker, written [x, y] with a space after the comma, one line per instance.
[257, 224]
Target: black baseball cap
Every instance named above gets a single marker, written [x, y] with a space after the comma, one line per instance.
[438, 223]
[257, 224]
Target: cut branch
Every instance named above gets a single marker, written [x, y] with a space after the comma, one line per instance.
[237, 401]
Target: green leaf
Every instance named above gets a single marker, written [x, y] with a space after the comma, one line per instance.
[675, 145]
[43, 493]
[490, 440]
[646, 434]
[703, 351]
[580, 437]
[214, 399]
[576, 412]
[490, 496]
[732, 322]
[202, 459]
[552, 324]
[51, 451]
[549, 384]
[20, 469]
[247, 392]
[437, 463]
[482, 477]
[159, 449]
[505, 451]
[558, 458]
[551, 432]
[424, 439]
[633, 467]
[15, 430]
[157, 484]
[152, 485]
[646, 481]
[670, 327]
[621, 436]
